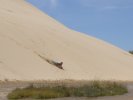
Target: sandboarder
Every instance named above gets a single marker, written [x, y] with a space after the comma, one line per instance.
[59, 65]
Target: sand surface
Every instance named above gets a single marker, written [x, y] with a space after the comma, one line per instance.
[28, 35]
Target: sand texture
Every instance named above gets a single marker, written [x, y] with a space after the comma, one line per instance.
[28, 37]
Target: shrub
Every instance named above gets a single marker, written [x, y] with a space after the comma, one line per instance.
[131, 52]
[94, 89]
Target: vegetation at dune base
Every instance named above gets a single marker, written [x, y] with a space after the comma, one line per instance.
[94, 89]
[131, 52]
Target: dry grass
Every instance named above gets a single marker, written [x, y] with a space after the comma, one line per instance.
[90, 89]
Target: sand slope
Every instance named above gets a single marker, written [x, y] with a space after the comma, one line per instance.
[26, 33]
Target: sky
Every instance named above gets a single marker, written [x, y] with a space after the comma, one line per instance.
[109, 20]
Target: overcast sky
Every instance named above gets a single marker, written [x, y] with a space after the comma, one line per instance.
[109, 20]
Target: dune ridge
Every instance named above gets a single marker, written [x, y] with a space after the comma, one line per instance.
[26, 33]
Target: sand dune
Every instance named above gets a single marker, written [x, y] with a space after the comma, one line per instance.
[27, 33]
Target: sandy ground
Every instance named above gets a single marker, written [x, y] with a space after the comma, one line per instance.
[5, 88]
[27, 36]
